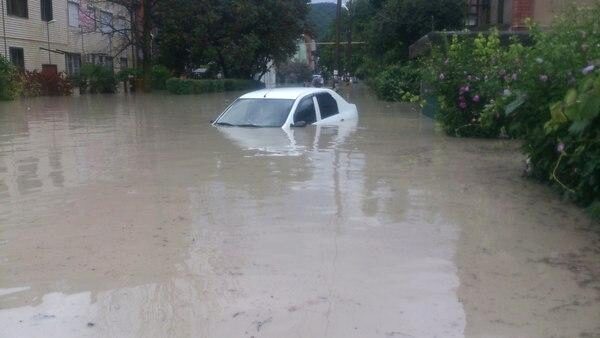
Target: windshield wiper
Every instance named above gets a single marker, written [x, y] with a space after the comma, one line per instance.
[250, 125]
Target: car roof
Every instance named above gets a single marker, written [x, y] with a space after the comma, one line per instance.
[291, 93]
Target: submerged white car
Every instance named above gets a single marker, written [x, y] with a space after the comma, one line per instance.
[287, 107]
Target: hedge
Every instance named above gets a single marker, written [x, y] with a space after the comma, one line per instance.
[546, 94]
[187, 86]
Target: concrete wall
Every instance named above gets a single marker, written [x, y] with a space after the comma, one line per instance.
[545, 10]
[31, 34]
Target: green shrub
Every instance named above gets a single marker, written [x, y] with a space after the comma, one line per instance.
[547, 94]
[398, 83]
[37, 83]
[554, 64]
[160, 75]
[10, 83]
[471, 78]
[566, 149]
[128, 73]
[187, 86]
[179, 86]
[97, 79]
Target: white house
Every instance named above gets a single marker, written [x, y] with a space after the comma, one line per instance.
[61, 34]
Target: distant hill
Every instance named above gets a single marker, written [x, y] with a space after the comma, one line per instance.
[320, 18]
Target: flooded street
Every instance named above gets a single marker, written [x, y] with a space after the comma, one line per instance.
[131, 216]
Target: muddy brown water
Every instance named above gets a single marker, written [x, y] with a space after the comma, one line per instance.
[131, 216]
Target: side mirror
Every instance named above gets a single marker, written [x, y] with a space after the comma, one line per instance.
[298, 124]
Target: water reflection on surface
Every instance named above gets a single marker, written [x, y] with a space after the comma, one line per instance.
[133, 216]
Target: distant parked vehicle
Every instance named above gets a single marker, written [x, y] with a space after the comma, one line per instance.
[287, 107]
[317, 81]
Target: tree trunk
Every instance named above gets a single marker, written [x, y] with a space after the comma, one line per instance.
[146, 45]
[223, 65]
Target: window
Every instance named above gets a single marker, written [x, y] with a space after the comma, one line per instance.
[73, 14]
[120, 24]
[46, 7]
[327, 105]
[478, 13]
[306, 111]
[500, 12]
[17, 8]
[17, 57]
[106, 21]
[87, 18]
[101, 59]
[72, 63]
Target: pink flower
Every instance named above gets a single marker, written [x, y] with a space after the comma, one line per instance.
[476, 98]
[462, 105]
[588, 69]
[543, 78]
[560, 147]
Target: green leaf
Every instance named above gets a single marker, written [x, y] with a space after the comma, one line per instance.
[557, 114]
[571, 97]
[578, 126]
[589, 107]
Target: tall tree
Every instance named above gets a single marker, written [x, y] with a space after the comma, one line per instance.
[242, 37]
[133, 29]
[400, 23]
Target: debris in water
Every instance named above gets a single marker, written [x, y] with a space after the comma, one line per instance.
[260, 324]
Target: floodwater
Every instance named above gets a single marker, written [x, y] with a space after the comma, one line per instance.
[131, 216]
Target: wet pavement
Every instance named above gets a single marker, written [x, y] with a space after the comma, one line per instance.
[131, 216]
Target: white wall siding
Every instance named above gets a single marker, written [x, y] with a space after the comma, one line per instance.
[31, 34]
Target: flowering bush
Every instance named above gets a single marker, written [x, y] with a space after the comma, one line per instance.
[485, 90]
[472, 77]
[555, 63]
[567, 149]
[37, 83]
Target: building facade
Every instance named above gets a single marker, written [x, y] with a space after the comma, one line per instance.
[306, 51]
[61, 35]
[511, 14]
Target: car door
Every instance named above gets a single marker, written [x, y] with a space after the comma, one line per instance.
[328, 106]
[306, 111]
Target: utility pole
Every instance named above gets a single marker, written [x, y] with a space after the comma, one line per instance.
[338, 19]
[349, 35]
[4, 30]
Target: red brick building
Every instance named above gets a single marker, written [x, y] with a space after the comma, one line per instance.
[511, 14]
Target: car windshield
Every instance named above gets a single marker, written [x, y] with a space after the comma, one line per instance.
[256, 113]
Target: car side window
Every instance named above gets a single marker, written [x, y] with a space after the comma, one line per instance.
[306, 111]
[327, 105]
